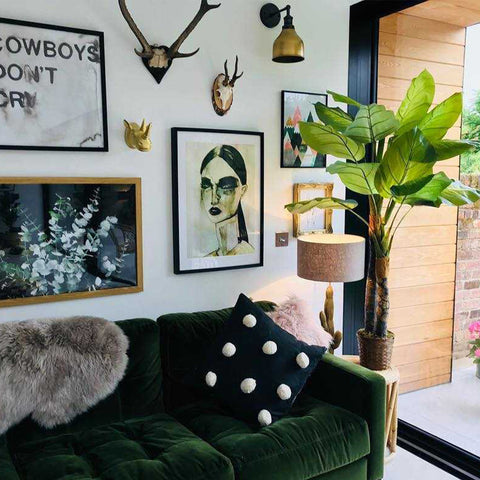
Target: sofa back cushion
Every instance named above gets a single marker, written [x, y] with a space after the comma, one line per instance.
[183, 340]
[138, 394]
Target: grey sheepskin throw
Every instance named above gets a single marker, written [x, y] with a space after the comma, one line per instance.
[56, 369]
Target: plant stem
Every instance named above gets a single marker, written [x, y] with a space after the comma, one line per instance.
[370, 291]
[382, 267]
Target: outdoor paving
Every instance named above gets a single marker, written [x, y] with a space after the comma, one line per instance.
[450, 411]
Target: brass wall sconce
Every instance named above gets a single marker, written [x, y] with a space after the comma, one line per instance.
[288, 47]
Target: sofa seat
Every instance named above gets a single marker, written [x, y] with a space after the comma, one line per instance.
[315, 438]
[148, 448]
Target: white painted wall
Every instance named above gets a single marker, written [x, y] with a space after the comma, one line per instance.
[183, 99]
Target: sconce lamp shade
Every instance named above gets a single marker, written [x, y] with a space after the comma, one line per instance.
[288, 47]
[331, 258]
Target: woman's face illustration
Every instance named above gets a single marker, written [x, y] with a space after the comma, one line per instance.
[222, 190]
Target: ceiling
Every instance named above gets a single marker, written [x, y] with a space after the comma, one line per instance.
[463, 13]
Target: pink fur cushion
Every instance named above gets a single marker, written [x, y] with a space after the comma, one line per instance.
[296, 318]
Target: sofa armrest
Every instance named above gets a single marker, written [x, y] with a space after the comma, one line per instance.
[7, 468]
[360, 391]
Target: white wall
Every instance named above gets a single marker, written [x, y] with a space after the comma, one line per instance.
[183, 99]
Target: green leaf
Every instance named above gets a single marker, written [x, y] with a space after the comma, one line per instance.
[458, 194]
[446, 149]
[338, 97]
[325, 139]
[429, 195]
[443, 117]
[417, 102]
[372, 123]
[356, 176]
[326, 202]
[335, 117]
[411, 187]
[408, 157]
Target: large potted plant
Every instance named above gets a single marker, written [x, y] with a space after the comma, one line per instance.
[398, 174]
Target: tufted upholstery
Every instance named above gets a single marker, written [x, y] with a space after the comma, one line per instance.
[315, 438]
[155, 447]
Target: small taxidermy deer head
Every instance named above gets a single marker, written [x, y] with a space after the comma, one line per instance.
[158, 58]
[222, 90]
[138, 136]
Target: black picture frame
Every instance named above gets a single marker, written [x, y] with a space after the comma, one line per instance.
[282, 126]
[178, 270]
[101, 49]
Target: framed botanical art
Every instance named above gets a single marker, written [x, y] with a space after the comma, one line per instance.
[299, 107]
[217, 199]
[67, 238]
[316, 220]
[52, 88]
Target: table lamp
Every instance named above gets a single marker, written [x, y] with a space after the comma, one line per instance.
[324, 257]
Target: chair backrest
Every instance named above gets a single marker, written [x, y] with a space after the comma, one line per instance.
[184, 337]
[138, 394]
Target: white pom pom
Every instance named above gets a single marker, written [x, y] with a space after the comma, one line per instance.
[264, 418]
[249, 320]
[303, 360]
[284, 392]
[269, 348]
[211, 379]
[248, 385]
[229, 349]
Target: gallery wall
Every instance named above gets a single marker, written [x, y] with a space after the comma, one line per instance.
[183, 100]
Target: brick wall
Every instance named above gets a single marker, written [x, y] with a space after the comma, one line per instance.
[467, 297]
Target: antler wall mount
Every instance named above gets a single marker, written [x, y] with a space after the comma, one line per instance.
[222, 90]
[158, 58]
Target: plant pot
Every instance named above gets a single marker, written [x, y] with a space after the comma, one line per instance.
[478, 370]
[375, 353]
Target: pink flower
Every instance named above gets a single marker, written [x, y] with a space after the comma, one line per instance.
[477, 352]
[474, 330]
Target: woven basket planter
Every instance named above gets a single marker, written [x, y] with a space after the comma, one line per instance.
[375, 353]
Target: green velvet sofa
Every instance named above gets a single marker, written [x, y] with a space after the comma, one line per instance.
[152, 427]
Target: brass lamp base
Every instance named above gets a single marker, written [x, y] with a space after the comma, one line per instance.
[326, 319]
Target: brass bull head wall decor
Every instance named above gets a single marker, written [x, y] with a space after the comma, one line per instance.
[158, 58]
[222, 90]
[138, 136]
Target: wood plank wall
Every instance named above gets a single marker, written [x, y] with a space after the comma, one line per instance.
[424, 255]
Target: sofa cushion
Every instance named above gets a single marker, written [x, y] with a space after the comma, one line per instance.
[142, 380]
[254, 366]
[315, 438]
[154, 447]
[183, 337]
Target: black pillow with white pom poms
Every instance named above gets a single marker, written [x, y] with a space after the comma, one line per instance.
[255, 367]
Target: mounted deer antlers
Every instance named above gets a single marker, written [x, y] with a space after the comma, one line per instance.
[222, 90]
[158, 59]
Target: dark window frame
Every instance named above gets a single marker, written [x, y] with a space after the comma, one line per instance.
[362, 86]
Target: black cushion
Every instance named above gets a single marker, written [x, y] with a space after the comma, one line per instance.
[255, 367]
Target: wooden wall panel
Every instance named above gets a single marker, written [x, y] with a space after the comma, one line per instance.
[422, 278]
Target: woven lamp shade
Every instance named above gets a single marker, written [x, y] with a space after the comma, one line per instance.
[325, 257]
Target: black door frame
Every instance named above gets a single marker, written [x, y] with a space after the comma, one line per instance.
[362, 86]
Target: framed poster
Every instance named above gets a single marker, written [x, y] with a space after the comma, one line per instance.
[67, 238]
[217, 199]
[52, 88]
[299, 107]
[316, 220]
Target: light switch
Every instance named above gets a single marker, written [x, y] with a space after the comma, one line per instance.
[281, 239]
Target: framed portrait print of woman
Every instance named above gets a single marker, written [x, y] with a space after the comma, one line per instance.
[217, 199]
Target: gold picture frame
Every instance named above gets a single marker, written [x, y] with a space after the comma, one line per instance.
[305, 191]
[129, 228]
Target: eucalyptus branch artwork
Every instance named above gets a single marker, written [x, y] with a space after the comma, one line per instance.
[70, 239]
[406, 146]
